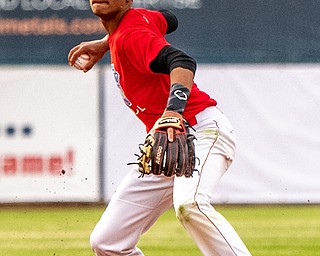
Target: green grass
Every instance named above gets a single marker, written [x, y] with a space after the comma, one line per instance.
[54, 231]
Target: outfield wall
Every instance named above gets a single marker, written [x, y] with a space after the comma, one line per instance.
[274, 110]
[49, 133]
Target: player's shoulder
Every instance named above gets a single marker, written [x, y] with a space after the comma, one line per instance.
[143, 11]
[145, 15]
[164, 20]
[139, 20]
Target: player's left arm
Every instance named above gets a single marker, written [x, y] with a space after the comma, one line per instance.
[170, 138]
[181, 68]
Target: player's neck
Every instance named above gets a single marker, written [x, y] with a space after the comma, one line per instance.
[111, 23]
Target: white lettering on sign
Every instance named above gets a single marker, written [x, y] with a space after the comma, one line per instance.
[56, 5]
[164, 4]
[41, 5]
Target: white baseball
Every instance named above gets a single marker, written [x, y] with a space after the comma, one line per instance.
[81, 61]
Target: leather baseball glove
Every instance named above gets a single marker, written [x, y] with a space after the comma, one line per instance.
[168, 148]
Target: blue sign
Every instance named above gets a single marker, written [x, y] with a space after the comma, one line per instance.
[212, 31]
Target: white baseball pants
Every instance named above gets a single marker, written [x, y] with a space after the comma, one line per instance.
[138, 202]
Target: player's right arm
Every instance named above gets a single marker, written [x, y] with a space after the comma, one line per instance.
[97, 48]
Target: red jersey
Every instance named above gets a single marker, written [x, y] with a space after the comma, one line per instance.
[133, 46]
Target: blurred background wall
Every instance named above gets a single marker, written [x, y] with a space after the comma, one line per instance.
[62, 131]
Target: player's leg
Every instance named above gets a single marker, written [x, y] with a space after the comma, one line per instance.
[215, 147]
[133, 209]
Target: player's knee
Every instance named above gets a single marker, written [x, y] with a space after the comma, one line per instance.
[184, 211]
[99, 243]
[188, 212]
[95, 242]
[105, 243]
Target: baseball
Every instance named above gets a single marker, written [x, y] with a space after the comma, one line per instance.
[81, 61]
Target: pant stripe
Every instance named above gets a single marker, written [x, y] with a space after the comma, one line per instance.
[196, 192]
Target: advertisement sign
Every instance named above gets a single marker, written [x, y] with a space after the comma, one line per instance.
[43, 31]
[49, 149]
[274, 112]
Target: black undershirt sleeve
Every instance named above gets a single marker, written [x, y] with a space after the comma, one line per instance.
[171, 19]
[169, 58]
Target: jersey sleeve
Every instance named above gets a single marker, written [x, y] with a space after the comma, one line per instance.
[172, 21]
[159, 20]
[142, 44]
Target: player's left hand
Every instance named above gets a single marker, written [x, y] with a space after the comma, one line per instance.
[168, 148]
[170, 122]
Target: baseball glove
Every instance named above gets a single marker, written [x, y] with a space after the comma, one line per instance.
[168, 148]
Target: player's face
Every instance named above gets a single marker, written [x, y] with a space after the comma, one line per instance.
[107, 9]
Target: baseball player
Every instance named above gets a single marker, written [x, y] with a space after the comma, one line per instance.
[155, 80]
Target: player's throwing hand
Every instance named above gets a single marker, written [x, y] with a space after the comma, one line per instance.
[94, 49]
